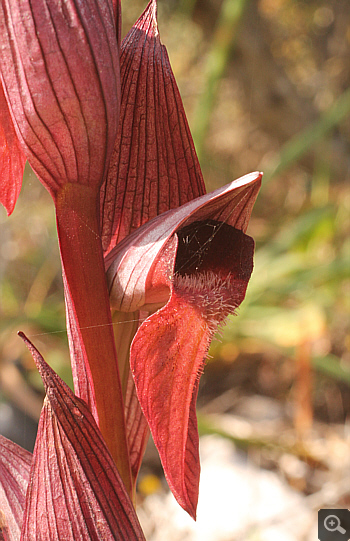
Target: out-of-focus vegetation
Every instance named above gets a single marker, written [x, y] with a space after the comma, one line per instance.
[280, 102]
[266, 87]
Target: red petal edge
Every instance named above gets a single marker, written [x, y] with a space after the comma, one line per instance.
[75, 491]
[137, 429]
[154, 166]
[15, 464]
[172, 344]
[12, 159]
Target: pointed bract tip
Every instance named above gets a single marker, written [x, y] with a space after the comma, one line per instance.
[24, 338]
[154, 20]
[45, 371]
[249, 178]
[9, 207]
[154, 8]
[149, 19]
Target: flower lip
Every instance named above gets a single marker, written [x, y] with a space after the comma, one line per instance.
[131, 263]
[200, 252]
[213, 265]
[206, 245]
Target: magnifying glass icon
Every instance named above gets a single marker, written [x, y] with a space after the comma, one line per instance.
[332, 524]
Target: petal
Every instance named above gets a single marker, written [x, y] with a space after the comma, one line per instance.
[137, 429]
[125, 326]
[15, 464]
[131, 263]
[167, 358]
[60, 71]
[12, 159]
[154, 166]
[168, 353]
[75, 491]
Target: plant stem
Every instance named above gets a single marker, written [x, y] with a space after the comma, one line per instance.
[82, 261]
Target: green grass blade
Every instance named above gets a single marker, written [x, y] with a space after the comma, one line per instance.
[218, 56]
[298, 145]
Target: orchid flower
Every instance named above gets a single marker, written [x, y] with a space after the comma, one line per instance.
[136, 233]
[189, 268]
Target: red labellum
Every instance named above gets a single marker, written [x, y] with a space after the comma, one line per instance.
[209, 283]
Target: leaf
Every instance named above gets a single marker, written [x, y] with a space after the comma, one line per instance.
[154, 166]
[75, 491]
[117, 8]
[15, 464]
[60, 69]
[12, 159]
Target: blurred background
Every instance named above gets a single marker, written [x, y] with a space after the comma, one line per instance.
[265, 84]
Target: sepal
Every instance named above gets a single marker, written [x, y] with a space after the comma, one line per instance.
[154, 166]
[60, 71]
[15, 464]
[75, 491]
[12, 159]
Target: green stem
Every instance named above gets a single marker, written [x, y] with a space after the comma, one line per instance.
[82, 260]
[331, 366]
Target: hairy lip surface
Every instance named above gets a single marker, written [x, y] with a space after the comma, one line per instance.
[213, 264]
[212, 295]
